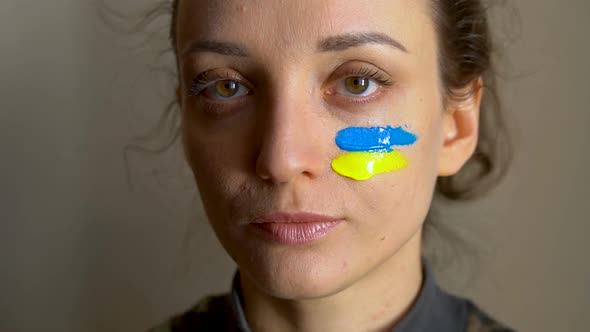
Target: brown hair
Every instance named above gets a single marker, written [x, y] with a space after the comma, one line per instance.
[465, 54]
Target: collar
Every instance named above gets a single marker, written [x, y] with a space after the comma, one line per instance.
[434, 309]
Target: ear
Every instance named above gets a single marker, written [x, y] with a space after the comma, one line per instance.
[460, 129]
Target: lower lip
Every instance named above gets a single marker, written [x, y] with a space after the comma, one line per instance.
[296, 233]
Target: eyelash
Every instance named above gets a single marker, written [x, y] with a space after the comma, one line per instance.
[370, 73]
[204, 80]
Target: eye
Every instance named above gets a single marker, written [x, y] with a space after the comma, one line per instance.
[359, 82]
[356, 86]
[219, 85]
[221, 90]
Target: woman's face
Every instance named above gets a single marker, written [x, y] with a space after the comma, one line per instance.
[262, 139]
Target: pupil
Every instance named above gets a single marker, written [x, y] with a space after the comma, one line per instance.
[357, 84]
[227, 88]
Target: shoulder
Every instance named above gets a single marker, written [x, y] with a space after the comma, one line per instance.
[212, 313]
[480, 321]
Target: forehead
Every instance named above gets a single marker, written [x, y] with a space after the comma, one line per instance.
[288, 24]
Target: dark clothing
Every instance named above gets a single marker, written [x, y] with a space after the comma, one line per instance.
[434, 311]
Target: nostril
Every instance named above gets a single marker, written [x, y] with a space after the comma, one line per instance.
[261, 172]
[308, 174]
[264, 168]
[264, 177]
[288, 151]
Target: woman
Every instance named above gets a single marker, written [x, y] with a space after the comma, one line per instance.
[317, 133]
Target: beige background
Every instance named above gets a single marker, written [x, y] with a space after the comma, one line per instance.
[81, 252]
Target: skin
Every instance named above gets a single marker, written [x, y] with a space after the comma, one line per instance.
[270, 150]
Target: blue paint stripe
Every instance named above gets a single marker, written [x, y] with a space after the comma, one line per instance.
[373, 139]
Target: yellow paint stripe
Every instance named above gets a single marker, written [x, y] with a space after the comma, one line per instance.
[364, 165]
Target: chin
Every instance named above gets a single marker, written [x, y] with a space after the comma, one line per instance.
[291, 273]
[299, 285]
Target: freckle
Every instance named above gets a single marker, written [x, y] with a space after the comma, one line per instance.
[383, 238]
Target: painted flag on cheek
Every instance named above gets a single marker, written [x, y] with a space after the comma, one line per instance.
[371, 151]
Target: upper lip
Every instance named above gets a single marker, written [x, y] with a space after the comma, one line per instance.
[299, 217]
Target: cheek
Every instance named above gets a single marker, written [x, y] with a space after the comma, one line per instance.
[416, 182]
[400, 200]
[419, 178]
[424, 101]
[215, 160]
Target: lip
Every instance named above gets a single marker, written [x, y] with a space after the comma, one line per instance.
[294, 228]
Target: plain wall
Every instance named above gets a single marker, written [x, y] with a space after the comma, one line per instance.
[80, 251]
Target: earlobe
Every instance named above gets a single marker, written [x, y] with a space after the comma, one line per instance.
[460, 129]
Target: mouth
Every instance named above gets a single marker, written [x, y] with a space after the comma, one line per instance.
[294, 228]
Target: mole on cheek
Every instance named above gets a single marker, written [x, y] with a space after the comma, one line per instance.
[370, 151]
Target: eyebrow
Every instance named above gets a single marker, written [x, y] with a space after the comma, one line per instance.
[214, 46]
[355, 39]
[329, 44]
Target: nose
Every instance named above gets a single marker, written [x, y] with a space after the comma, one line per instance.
[292, 142]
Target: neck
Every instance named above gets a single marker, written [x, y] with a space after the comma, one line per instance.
[376, 302]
